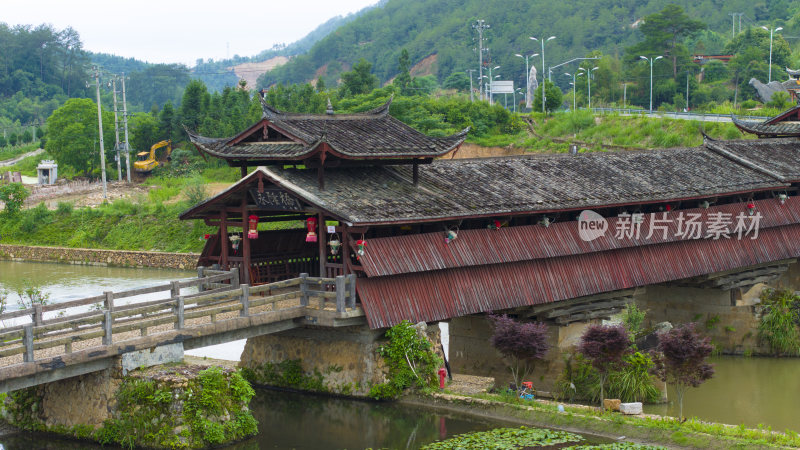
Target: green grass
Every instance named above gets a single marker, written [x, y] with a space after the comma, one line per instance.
[9, 152]
[624, 131]
[664, 430]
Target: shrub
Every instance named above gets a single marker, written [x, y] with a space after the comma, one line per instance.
[411, 362]
[195, 190]
[520, 343]
[13, 195]
[778, 326]
[682, 359]
[605, 347]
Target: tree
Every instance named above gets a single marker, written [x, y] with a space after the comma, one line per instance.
[458, 81]
[780, 100]
[403, 79]
[520, 343]
[13, 195]
[166, 122]
[554, 97]
[145, 131]
[360, 80]
[26, 137]
[12, 139]
[682, 359]
[194, 104]
[73, 135]
[605, 347]
[320, 84]
[663, 31]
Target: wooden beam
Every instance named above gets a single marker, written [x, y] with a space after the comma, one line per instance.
[245, 275]
[223, 240]
[539, 309]
[321, 236]
[243, 170]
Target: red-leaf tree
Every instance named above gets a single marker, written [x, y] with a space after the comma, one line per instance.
[521, 343]
[605, 346]
[682, 359]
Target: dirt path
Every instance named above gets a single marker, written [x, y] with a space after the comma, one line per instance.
[12, 161]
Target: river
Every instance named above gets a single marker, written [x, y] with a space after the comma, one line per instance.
[752, 391]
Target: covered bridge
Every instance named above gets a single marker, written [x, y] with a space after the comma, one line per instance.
[432, 239]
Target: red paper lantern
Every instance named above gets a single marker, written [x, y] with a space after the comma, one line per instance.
[252, 229]
[361, 246]
[751, 208]
[206, 236]
[311, 225]
[669, 208]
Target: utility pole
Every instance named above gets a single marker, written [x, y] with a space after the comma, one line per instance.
[125, 125]
[733, 24]
[100, 127]
[480, 25]
[624, 94]
[471, 97]
[116, 128]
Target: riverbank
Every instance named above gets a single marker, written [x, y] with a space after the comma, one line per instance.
[98, 257]
[643, 428]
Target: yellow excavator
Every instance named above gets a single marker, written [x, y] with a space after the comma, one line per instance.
[147, 161]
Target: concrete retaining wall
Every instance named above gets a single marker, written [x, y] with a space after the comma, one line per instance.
[88, 256]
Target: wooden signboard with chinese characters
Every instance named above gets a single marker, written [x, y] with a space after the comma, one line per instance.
[275, 200]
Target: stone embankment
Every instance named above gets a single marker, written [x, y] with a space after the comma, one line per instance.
[123, 258]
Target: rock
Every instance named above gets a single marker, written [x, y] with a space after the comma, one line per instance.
[630, 408]
[611, 404]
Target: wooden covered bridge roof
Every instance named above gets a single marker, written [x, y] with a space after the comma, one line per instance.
[280, 137]
[785, 124]
[421, 278]
[488, 187]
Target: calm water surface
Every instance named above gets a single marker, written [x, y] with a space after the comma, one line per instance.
[752, 391]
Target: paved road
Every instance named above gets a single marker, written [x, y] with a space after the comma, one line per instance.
[12, 161]
[678, 115]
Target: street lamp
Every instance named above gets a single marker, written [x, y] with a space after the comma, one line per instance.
[574, 77]
[527, 76]
[491, 92]
[589, 82]
[770, 49]
[543, 40]
[651, 76]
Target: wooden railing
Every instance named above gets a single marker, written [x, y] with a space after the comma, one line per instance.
[219, 298]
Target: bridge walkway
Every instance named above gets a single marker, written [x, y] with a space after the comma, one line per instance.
[69, 345]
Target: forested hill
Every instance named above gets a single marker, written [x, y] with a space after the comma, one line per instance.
[443, 28]
[217, 74]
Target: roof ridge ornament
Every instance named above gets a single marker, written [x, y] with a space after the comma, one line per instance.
[329, 108]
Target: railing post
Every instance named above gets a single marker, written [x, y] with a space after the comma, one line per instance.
[107, 339]
[179, 313]
[201, 273]
[109, 301]
[175, 291]
[245, 299]
[235, 277]
[340, 294]
[351, 299]
[28, 340]
[303, 290]
[37, 314]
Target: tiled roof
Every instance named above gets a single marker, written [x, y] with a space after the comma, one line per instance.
[496, 186]
[776, 157]
[780, 129]
[374, 134]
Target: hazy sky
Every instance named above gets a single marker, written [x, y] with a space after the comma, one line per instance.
[168, 31]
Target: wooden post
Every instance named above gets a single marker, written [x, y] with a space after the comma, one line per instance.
[201, 273]
[235, 277]
[346, 250]
[37, 314]
[322, 239]
[175, 290]
[243, 171]
[28, 340]
[351, 299]
[245, 244]
[303, 290]
[340, 293]
[224, 242]
[107, 322]
[179, 313]
[245, 299]
[109, 301]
